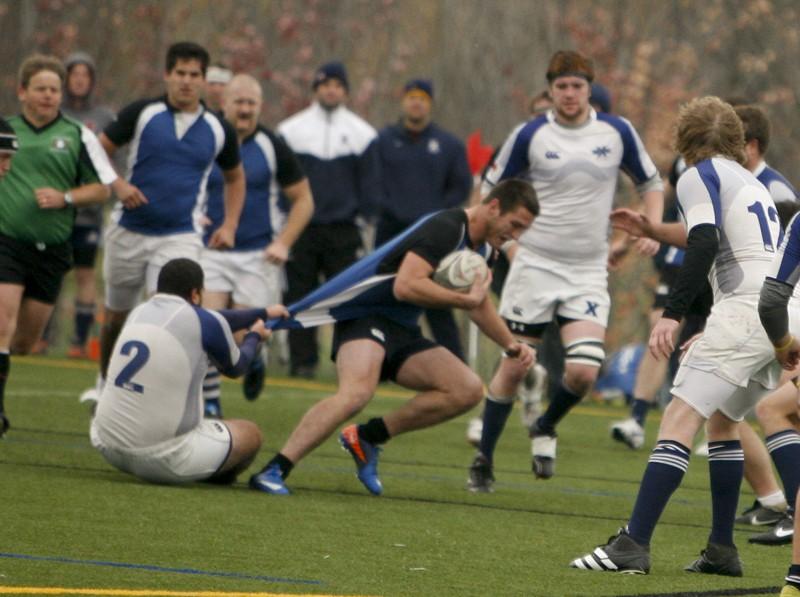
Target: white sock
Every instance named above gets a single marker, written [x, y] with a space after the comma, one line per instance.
[775, 501]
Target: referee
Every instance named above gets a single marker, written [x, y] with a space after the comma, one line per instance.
[59, 166]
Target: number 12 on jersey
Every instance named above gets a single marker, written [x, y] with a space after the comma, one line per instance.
[140, 356]
[758, 209]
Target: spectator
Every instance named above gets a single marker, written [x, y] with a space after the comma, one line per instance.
[174, 141]
[251, 274]
[79, 104]
[60, 165]
[217, 78]
[423, 169]
[337, 150]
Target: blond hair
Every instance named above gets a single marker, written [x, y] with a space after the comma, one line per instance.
[708, 127]
[35, 64]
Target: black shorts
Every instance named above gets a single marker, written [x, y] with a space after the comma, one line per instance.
[85, 240]
[399, 341]
[38, 270]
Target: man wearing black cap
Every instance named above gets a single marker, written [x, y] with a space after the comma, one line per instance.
[79, 104]
[423, 169]
[337, 150]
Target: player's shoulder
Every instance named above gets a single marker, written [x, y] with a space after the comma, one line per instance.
[530, 127]
[140, 105]
[619, 124]
[444, 136]
[447, 221]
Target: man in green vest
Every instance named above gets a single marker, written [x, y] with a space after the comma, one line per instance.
[60, 165]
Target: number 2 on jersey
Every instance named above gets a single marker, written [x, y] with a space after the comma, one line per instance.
[758, 209]
[141, 354]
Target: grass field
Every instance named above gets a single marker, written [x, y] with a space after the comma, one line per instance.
[73, 525]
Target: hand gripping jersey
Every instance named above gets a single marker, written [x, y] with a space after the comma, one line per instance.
[574, 172]
[366, 287]
[154, 385]
[720, 192]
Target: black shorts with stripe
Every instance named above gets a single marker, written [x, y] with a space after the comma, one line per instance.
[399, 341]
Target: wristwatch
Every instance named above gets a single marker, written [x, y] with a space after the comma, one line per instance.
[68, 199]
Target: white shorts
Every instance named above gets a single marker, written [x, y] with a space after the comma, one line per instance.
[537, 289]
[732, 365]
[193, 456]
[246, 275]
[132, 262]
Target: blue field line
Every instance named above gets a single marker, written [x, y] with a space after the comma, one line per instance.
[151, 568]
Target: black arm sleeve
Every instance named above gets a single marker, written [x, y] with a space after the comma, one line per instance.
[121, 130]
[228, 157]
[772, 303]
[701, 248]
[288, 168]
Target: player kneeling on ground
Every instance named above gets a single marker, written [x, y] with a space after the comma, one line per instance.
[149, 419]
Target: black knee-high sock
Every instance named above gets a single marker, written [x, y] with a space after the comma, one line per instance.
[784, 448]
[562, 402]
[664, 473]
[374, 431]
[726, 468]
[5, 364]
[495, 415]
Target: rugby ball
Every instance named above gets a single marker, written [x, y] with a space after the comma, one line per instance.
[459, 269]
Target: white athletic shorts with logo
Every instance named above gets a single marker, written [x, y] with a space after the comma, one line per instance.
[732, 365]
[537, 288]
[246, 275]
[193, 456]
[132, 262]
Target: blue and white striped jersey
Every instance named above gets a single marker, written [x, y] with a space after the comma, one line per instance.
[786, 267]
[723, 193]
[268, 164]
[168, 164]
[779, 188]
[153, 391]
[574, 172]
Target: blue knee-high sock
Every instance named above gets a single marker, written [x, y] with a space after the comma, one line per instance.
[561, 403]
[495, 415]
[726, 469]
[211, 385]
[784, 447]
[639, 410]
[664, 473]
[84, 318]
